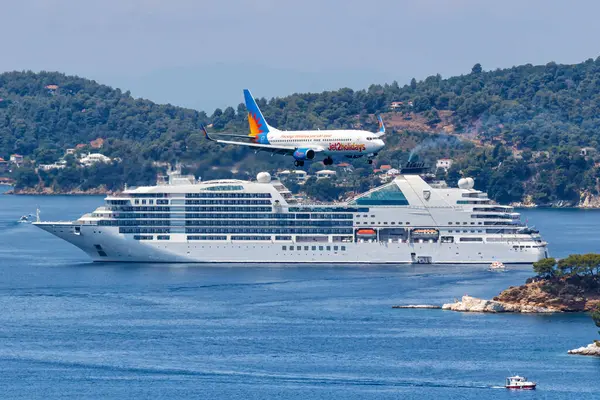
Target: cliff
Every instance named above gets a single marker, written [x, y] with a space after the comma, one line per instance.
[572, 294]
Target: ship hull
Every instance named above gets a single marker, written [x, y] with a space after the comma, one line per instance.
[105, 244]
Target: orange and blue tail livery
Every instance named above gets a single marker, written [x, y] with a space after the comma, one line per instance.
[256, 120]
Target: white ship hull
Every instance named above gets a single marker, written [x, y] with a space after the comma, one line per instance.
[105, 244]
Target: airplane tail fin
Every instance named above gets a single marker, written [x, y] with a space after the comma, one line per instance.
[256, 120]
[381, 131]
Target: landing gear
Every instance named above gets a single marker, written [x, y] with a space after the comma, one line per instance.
[299, 163]
[370, 161]
[328, 161]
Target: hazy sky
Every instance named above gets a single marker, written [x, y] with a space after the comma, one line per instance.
[200, 54]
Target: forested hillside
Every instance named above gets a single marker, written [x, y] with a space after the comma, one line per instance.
[518, 131]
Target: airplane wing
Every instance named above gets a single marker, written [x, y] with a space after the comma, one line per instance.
[285, 150]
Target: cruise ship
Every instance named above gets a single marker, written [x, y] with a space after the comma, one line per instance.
[409, 220]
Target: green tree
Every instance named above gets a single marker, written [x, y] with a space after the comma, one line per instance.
[545, 267]
[476, 69]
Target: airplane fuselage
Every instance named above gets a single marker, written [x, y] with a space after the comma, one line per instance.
[348, 143]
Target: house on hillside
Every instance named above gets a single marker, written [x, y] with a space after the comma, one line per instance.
[4, 166]
[325, 174]
[49, 167]
[16, 159]
[587, 151]
[298, 175]
[385, 167]
[396, 105]
[444, 163]
[344, 166]
[80, 146]
[97, 143]
[94, 158]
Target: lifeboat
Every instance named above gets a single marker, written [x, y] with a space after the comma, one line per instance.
[425, 233]
[366, 233]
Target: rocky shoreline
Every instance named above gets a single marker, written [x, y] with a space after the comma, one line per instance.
[592, 349]
[473, 304]
[52, 192]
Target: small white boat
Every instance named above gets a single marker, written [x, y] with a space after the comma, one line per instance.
[519, 382]
[497, 266]
[24, 220]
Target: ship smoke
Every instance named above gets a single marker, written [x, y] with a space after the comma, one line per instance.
[434, 143]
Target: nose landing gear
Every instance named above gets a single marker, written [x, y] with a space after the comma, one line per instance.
[328, 161]
[299, 163]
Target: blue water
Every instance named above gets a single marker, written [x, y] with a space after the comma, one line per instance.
[74, 329]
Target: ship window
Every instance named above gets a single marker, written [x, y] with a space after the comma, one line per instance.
[385, 195]
[335, 248]
[343, 248]
[385, 223]
[283, 247]
[471, 239]
[449, 223]
[143, 201]
[472, 223]
[137, 201]
[408, 223]
[291, 247]
[306, 248]
[321, 248]
[393, 223]
[329, 248]
[150, 201]
[313, 248]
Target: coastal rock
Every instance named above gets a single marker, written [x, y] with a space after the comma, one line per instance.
[473, 304]
[590, 350]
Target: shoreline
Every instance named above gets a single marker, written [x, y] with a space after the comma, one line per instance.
[101, 191]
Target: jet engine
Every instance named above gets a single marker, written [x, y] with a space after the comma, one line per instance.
[304, 154]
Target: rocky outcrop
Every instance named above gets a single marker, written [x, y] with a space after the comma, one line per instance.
[557, 294]
[473, 304]
[588, 200]
[590, 350]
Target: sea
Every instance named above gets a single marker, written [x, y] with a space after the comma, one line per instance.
[70, 328]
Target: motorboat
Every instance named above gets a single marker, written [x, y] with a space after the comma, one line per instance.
[24, 219]
[497, 266]
[519, 382]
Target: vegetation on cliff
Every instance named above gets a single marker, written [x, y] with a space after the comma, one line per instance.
[571, 284]
[526, 127]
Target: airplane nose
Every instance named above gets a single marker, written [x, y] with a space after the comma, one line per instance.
[380, 143]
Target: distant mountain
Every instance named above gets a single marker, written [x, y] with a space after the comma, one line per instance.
[519, 131]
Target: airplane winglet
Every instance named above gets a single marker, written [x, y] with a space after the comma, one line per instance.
[381, 126]
[206, 133]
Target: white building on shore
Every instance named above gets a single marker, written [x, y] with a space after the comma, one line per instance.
[94, 158]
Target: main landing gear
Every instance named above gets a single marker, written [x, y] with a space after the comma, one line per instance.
[371, 157]
[299, 163]
[328, 161]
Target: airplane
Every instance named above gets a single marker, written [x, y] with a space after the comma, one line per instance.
[305, 145]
